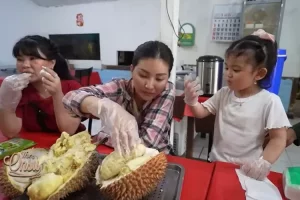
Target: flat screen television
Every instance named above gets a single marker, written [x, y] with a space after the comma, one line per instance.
[84, 46]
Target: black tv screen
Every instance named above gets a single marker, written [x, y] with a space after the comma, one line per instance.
[78, 46]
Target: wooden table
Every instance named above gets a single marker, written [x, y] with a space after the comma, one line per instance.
[197, 175]
[225, 184]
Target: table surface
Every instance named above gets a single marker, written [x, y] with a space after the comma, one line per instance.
[197, 175]
[225, 184]
[187, 112]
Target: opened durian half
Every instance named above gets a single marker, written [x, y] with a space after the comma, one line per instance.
[67, 167]
[132, 177]
[12, 182]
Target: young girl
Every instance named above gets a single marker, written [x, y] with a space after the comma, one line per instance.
[138, 108]
[245, 111]
[32, 99]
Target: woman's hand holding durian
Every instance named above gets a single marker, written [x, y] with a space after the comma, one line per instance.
[122, 126]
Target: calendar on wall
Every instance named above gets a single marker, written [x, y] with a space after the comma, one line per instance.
[226, 22]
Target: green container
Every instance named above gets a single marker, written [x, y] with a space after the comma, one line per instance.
[14, 145]
[291, 183]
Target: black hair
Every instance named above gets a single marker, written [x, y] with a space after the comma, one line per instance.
[260, 53]
[153, 49]
[32, 45]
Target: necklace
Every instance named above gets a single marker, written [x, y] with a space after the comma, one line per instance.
[242, 102]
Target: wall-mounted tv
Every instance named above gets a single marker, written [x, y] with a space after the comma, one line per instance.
[78, 46]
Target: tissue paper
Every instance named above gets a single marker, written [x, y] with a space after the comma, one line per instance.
[258, 190]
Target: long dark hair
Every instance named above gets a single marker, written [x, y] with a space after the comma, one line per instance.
[32, 45]
[260, 52]
[153, 49]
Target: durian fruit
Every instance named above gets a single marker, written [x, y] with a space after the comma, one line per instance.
[72, 161]
[68, 166]
[114, 162]
[13, 185]
[137, 178]
[66, 142]
[44, 186]
[77, 179]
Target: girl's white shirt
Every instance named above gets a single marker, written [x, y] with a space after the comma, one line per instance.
[241, 124]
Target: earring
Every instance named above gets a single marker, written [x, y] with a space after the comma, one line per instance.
[255, 82]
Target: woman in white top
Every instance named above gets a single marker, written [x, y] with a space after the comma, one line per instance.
[245, 111]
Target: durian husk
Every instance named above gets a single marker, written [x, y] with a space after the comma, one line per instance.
[80, 179]
[82, 176]
[138, 183]
[6, 187]
[11, 189]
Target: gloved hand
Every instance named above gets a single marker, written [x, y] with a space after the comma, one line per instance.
[257, 169]
[122, 126]
[11, 90]
[192, 90]
[51, 81]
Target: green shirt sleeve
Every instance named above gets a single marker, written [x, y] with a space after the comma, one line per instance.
[296, 128]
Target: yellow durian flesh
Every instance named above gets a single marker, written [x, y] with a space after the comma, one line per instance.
[134, 164]
[111, 165]
[138, 183]
[62, 144]
[145, 154]
[66, 159]
[78, 179]
[138, 151]
[114, 162]
[74, 163]
[77, 148]
[43, 187]
[66, 142]
[137, 162]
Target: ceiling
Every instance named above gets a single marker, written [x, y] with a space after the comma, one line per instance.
[55, 3]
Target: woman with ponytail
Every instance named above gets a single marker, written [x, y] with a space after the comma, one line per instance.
[32, 98]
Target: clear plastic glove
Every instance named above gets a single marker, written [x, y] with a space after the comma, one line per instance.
[11, 90]
[192, 90]
[257, 169]
[122, 126]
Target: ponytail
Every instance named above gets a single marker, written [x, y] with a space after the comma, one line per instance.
[62, 69]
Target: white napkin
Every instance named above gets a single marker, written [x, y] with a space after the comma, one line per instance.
[258, 190]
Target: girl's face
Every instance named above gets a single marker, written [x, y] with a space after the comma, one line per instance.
[33, 65]
[150, 78]
[241, 75]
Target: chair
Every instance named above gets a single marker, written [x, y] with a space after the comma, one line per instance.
[206, 125]
[84, 76]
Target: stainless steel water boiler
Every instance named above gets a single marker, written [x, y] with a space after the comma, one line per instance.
[210, 71]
